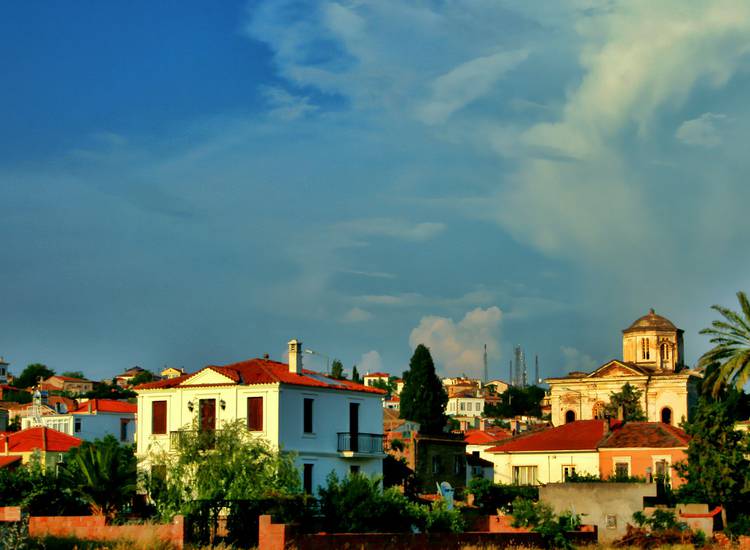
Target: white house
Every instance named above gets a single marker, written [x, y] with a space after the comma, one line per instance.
[371, 378]
[466, 404]
[93, 419]
[330, 425]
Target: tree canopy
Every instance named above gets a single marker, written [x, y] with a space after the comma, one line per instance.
[141, 378]
[355, 375]
[74, 374]
[629, 399]
[517, 401]
[728, 362]
[423, 398]
[337, 370]
[31, 374]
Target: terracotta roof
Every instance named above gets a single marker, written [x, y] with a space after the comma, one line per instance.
[107, 406]
[582, 435]
[67, 378]
[265, 371]
[484, 437]
[8, 460]
[394, 399]
[42, 438]
[646, 434]
[651, 321]
[377, 375]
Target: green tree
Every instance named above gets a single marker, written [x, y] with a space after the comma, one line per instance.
[517, 402]
[728, 362]
[74, 374]
[629, 399]
[337, 370]
[355, 375]
[31, 374]
[103, 473]
[716, 469]
[423, 398]
[142, 377]
[110, 391]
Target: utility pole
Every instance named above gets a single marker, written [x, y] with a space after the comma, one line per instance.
[537, 380]
[486, 377]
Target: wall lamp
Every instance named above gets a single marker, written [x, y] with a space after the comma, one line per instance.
[190, 406]
[223, 404]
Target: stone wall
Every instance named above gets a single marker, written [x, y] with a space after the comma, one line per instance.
[609, 506]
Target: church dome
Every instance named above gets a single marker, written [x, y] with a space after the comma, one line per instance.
[651, 321]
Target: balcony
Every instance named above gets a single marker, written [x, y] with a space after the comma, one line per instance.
[360, 444]
[204, 440]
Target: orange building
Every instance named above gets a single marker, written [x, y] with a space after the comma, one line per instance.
[643, 449]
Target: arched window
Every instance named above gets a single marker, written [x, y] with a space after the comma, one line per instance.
[570, 416]
[645, 351]
[664, 353]
[666, 415]
[597, 411]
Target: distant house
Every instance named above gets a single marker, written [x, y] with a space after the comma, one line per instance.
[94, 419]
[3, 371]
[50, 444]
[477, 466]
[394, 403]
[170, 372]
[123, 380]
[329, 425]
[371, 378]
[497, 386]
[67, 384]
[50, 405]
[7, 392]
[467, 403]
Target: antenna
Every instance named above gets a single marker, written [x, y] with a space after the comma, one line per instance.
[510, 373]
[485, 364]
[536, 370]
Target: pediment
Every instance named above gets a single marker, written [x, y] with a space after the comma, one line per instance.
[207, 376]
[615, 369]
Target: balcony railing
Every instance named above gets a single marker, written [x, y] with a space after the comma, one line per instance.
[360, 443]
[203, 439]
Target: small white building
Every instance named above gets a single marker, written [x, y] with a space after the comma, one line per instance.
[3, 371]
[330, 425]
[371, 378]
[465, 405]
[93, 419]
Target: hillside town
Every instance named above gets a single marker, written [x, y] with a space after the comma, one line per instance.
[612, 444]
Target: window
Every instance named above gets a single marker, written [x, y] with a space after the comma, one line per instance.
[622, 469]
[525, 475]
[307, 421]
[255, 414]
[77, 427]
[458, 464]
[307, 478]
[477, 407]
[570, 416]
[666, 415]
[437, 466]
[645, 352]
[568, 471]
[664, 352]
[661, 469]
[158, 417]
[124, 429]
[463, 406]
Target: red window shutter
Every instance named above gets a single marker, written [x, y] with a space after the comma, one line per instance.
[255, 414]
[158, 417]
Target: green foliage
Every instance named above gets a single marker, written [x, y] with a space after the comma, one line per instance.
[74, 374]
[423, 398]
[727, 364]
[103, 473]
[337, 370]
[110, 391]
[716, 470]
[517, 401]
[629, 399]
[739, 526]
[141, 378]
[491, 497]
[355, 375]
[17, 396]
[235, 466]
[660, 520]
[541, 519]
[356, 504]
[31, 374]
[397, 445]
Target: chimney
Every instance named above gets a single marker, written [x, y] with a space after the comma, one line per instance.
[295, 356]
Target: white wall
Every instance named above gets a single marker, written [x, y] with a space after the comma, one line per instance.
[93, 426]
[549, 465]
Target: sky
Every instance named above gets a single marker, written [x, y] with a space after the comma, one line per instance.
[190, 183]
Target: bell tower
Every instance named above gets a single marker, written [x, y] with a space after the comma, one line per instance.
[654, 342]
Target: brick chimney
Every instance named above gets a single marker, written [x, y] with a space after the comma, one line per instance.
[295, 356]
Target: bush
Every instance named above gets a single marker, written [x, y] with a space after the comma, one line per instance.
[491, 497]
[659, 529]
[740, 526]
[541, 519]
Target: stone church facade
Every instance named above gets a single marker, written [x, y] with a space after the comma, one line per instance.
[653, 362]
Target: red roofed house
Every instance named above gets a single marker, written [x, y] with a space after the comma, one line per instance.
[549, 456]
[67, 384]
[50, 444]
[330, 425]
[370, 378]
[93, 419]
[643, 449]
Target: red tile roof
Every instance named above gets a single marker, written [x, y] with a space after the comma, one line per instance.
[107, 406]
[646, 435]
[8, 460]
[484, 437]
[583, 435]
[377, 375]
[265, 371]
[42, 438]
[67, 378]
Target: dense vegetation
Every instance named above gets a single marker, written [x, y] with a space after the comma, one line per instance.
[423, 398]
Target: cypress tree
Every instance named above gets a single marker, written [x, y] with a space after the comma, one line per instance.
[423, 398]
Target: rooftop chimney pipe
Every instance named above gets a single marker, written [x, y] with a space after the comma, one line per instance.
[295, 356]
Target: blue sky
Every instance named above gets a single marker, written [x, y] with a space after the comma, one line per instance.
[185, 183]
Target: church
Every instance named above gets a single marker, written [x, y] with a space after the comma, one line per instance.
[652, 362]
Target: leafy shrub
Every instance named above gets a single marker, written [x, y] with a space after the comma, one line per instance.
[540, 517]
[491, 497]
[740, 526]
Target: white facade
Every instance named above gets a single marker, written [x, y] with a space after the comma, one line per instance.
[89, 427]
[535, 468]
[283, 419]
[465, 406]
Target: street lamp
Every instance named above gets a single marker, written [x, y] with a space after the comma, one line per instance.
[328, 359]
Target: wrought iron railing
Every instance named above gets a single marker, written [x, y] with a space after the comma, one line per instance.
[360, 443]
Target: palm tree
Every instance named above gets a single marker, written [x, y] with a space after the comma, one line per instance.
[728, 362]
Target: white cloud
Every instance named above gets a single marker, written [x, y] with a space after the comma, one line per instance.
[458, 348]
[286, 106]
[356, 315]
[702, 131]
[370, 362]
[466, 83]
[575, 360]
[394, 228]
